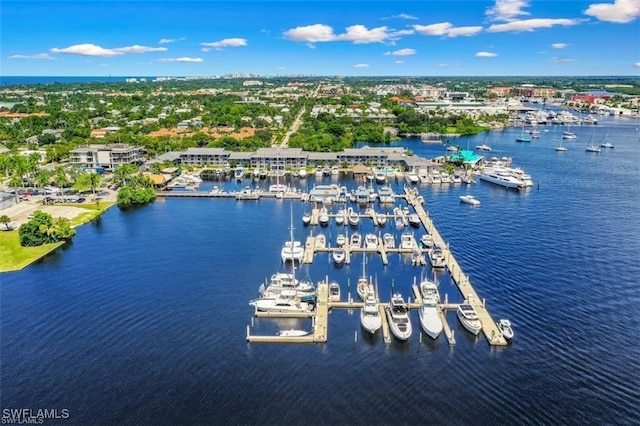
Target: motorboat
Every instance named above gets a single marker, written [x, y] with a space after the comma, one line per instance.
[323, 217]
[504, 325]
[285, 301]
[302, 173]
[389, 240]
[430, 320]
[371, 241]
[501, 176]
[469, 199]
[340, 217]
[338, 255]
[292, 251]
[398, 316]
[238, 174]
[381, 219]
[334, 292]
[370, 318]
[426, 241]
[406, 241]
[469, 318]
[277, 187]
[606, 145]
[484, 147]
[569, 135]
[320, 241]
[341, 240]
[356, 240]
[399, 221]
[413, 178]
[436, 257]
[417, 258]
[445, 179]
[386, 195]
[380, 177]
[353, 217]
[293, 333]
[306, 218]
[414, 220]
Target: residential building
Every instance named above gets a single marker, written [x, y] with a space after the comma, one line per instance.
[108, 157]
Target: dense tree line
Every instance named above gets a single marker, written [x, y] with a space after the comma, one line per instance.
[43, 229]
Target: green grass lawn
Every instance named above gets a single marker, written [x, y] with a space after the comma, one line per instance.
[14, 257]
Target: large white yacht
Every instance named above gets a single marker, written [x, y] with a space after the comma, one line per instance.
[501, 176]
[436, 257]
[285, 301]
[370, 318]
[429, 317]
[292, 251]
[398, 316]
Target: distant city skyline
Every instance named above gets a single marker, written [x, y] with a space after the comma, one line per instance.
[351, 38]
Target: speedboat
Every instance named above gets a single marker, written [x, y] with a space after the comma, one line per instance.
[292, 251]
[371, 241]
[338, 255]
[505, 328]
[436, 257]
[413, 178]
[306, 218]
[292, 333]
[354, 218]
[483, 147]
[389, 240]
[429, 316]
[414, 220]
[321, 241]
[341, 240]
[380, 177]
[469, 199]
[398, 316]
[340, 217]
[356, 240]
[426, 240]
[334, 292]
[323, 217]
[469, 318]
[370, 318]
[381, 219]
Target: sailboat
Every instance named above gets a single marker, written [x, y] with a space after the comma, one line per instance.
[592, 147]
[523, 137]
[364, 287]
[561, 148]
[604, 143]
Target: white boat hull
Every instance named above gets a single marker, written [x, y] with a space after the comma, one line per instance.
[430, 321]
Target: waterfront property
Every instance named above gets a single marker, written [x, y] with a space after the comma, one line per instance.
[107, 157]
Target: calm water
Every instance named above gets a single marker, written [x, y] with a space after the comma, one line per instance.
[142, 318]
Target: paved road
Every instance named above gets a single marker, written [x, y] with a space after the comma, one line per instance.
[296, 123]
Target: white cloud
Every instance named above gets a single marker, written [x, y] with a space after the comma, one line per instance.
[507, 10]
[621, 11]
[205, 49]
[361, 66]
[398, 62]
[140, 49]
[531, 25]
[182, 59]
[87, 49]
[404, 16]
[311, 33]
[561, 59]
[434, 29]
[559, 45]
[637, 65]
[400, 33]
[441, 64]
[227, 42]
[170, 40]
[357, 34]
[311, 45]
[281, 68]
[446, 29]
[485, 55]
[402, 52]
[37, 56]
[463, 31]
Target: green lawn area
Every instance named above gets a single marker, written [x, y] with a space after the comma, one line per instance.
[14, 257]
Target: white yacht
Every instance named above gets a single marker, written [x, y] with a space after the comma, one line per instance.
[305, 290]
[381, 219]
[323, 217]
[389, 240]
[386, 195]
[302, 173]
[484, 147]
[398, 316]
[340, 217]
[292, 251]
[414, 220]
[469, 318]
[370, 318]
[320, 241]
[501, 176]
[413, 178]
[353, 217]
[380, 177]
[306, 218]
[285, 301]
[426, 240]
[341, 240]
[429, 316]
[406, 241]
[505, 328]
[371, 241]
[293, 333]
[436, 257]
[338, 255]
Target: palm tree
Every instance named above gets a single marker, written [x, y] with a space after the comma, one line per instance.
[60, 177]
[5, 220]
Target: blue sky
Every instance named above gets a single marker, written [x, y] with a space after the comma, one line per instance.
[359, 38]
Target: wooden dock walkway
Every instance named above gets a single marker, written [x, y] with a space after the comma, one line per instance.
[321, 319]
[489, 327]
